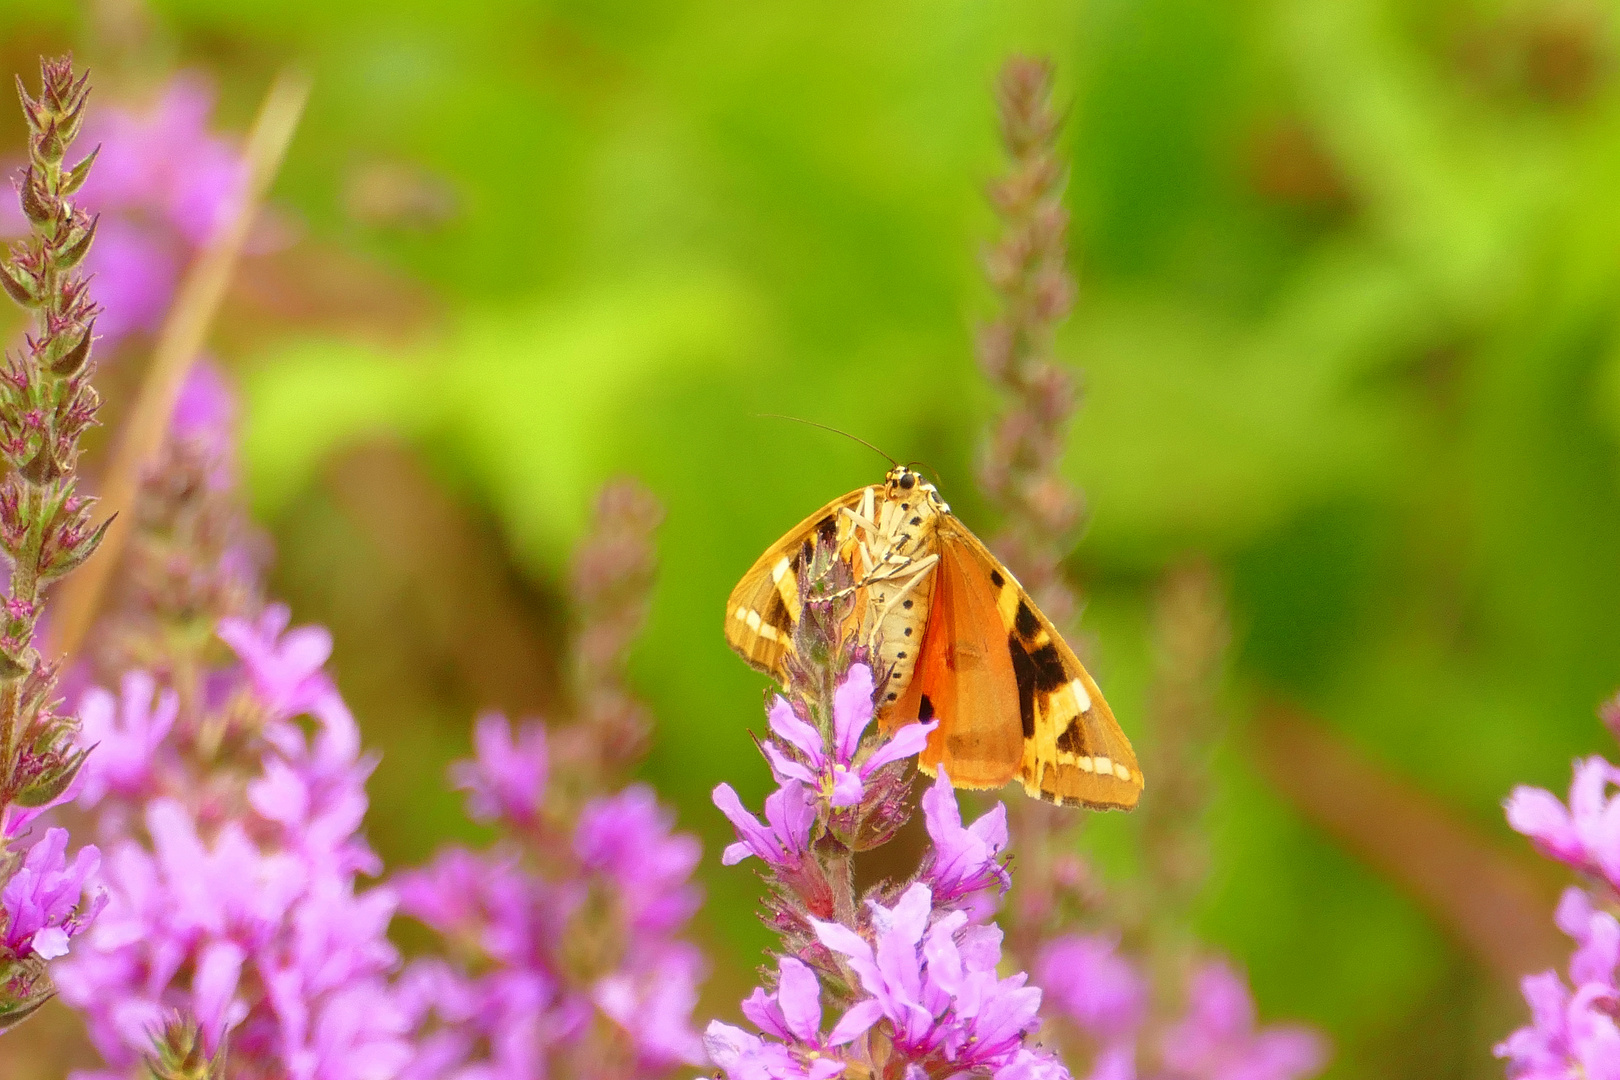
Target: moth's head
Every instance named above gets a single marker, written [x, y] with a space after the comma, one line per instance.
[902, 479]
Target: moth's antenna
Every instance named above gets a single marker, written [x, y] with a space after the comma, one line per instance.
[828, 427]
[926, 468]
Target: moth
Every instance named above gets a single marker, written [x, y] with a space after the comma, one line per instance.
[961, 641]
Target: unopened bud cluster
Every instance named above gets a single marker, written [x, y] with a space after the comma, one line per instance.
[179, 1052]
[46, 403]
[1029, 272]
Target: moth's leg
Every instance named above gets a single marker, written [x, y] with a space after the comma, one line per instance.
[862, 521]
[921, 566]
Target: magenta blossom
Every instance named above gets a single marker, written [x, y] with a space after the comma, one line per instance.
[790, 814]
[934, 980]
[126, 733]
[1218, 1038]
[1586, 833]
[507, 777]
[1096, 987]
[548, 950]
[219, 910]
[791, 1015]
[631, 841]
[964, 861]
[41, 903]
[833, 774]
[286, 669]
[1572, 1032]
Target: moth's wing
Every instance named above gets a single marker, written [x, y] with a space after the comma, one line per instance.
[964, 678]
[1072, 750]
[764, 607]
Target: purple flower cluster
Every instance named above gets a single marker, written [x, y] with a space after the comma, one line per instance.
[232, 894]
[562, 940]
[912, 969]
[1572, 1030]
[1092, 985]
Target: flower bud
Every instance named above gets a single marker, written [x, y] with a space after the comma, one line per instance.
[37, 203]
[24, 987]
[19, 284]
[74, 178]
[178, 1053]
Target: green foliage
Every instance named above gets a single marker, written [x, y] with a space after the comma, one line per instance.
[1385, 397]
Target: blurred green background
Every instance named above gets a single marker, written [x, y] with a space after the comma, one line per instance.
[1349, 284]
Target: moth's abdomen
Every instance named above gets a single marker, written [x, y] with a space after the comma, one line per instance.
[900, 590]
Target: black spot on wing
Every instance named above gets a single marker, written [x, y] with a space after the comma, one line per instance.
[1024, 672]
[996, 579]
[1073, 739]
[925, 712]
[776, 612]
[1025, 622]
[1049, 673]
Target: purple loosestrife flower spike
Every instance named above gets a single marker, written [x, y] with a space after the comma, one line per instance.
[162, 186]
[563, 950]
[46, 404]
[935, 981]
[908, 971]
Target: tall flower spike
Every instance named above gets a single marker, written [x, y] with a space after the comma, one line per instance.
[1021, 473]
[1028, 269]
[907, 967]
[238, 927]
[46, 403]
[563, 950]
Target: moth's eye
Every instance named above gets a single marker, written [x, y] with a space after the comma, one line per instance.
[907, 481]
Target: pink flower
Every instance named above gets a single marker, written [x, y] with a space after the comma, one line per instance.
[126, 733]
[792, 1017]
[1586, 834]
[631, 840]
[783, 840]
[934, 980]
[833, 774]
[286, 669]
[1218, 1038]
[963, 861]
[41, 903]
[1572, 1032]
[507, 778]
[1093, 984]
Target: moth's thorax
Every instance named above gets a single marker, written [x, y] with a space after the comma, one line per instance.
[894, 536]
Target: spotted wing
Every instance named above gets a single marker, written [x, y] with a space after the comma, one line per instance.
[764, 607]
[1012, 698]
